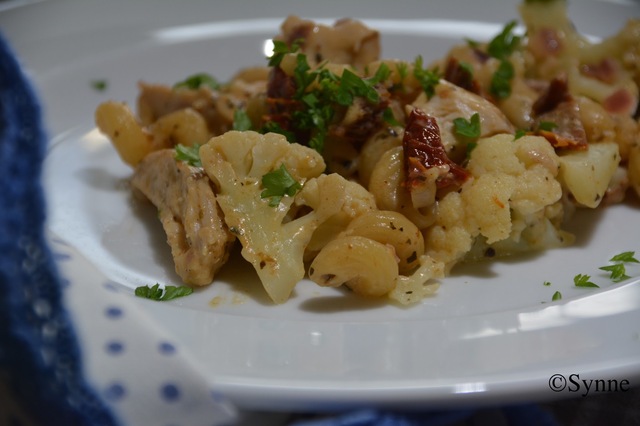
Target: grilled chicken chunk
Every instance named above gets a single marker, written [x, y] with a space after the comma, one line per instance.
[185, 197]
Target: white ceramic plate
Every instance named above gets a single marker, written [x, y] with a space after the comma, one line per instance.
[491, 335]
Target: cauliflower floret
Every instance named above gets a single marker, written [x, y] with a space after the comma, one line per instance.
[338, 201]
[586, 175]
[236, 162]
[511, 203]
[273, 240]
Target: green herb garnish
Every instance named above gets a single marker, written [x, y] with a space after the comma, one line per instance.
[556, 296]
[241, 120]
[99, 85]
[546, 283]
[467, 128]
[319, 91]
[627, 256]
[501, 47]
[188, 154]
[617, 271]
[505, 43]
[198, 80]
[583, 280]
[273, 127]
[519, 133]
[389, 118]
[168, 293]
[277, 184]
[501, 80]
[403, 70]
[547, 125]
[428, 79]
[280, 49]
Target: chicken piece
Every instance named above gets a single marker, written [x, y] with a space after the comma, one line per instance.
[185, 197]
[451, 102]
[348, 41]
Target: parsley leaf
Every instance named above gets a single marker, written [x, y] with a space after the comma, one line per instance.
[546, 283]
[99, 85]
[468, 128]
[188, 154]
[501, 47]
[556, 296]
[403, 70]
[547, 125]
[618, 272]
[583, 280]
[169, 292]
[241, 120]
[505, 43]
[277, 184]
[196, 81]
[519, 133]
[273, 127]
[627, 256]
[389, 118]
[501, 80]
[280, 49]
[428, 79]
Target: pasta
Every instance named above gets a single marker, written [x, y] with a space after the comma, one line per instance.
[381, 175]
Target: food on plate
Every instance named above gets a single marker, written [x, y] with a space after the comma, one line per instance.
[381, 175]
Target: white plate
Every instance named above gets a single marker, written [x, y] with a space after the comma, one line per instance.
[491, 335]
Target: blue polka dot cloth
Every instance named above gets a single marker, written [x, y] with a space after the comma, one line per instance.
[77, 366]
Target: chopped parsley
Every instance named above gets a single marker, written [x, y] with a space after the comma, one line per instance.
[556, 296]
[583, 280]
[470, 147]
[188, 154]
[501, 80]
[467, 67]
[273, 127]
[546, 283]
[196, 81]
[519, 133]
[403, 70]
[547, 125]
[169, 292]
[505, 43]
[99, 85]
[428, 79]
[277, 184]
[627, 256]
[501, 47]
[618, 271]
[389, 118]
[280, 49]
[318, 91]
[241, 120]
[467, 128]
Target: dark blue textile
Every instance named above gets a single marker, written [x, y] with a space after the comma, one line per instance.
[40, 361]
[514, 415]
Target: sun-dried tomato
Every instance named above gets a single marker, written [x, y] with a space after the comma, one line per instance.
[423, 150]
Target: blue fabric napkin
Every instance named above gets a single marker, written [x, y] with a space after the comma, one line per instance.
[41, 364]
